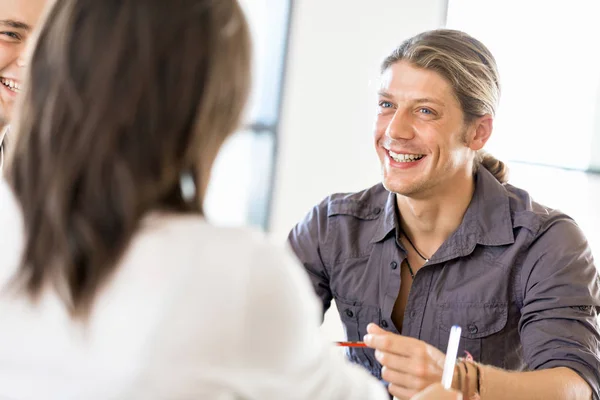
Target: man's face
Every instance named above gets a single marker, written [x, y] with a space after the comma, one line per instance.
[17, 20]
[420, 136]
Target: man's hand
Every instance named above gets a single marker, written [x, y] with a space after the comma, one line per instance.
[437, 392]
[409, 365]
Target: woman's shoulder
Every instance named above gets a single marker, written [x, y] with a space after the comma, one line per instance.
[194, 234]
[188, 242]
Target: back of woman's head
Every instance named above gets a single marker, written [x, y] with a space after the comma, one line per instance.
[122, 99]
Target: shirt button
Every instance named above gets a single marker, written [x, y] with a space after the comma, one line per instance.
[413, 314]
[384, 324]
[394, 264]
[473, 329]
[377, 210]
[349, 313]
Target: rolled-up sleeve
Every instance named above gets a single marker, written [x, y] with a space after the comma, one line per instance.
[559, 318]
[306, 240]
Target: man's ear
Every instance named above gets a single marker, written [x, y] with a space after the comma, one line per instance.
[483, 127]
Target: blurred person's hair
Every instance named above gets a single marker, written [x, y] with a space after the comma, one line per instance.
[471, 70]
[122, 100]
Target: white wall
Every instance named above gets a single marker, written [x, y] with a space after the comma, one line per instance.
[325, 143]
[595, 148]
[573, 192]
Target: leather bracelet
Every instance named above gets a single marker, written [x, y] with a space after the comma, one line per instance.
[465, 361]
[459, 376]
[478, 377]
[464, 378]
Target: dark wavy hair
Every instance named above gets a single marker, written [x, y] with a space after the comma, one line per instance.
[122, 98]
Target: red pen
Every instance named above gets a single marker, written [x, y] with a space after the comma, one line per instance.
[351, 344]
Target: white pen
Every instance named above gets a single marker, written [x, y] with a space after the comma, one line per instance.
[451, 353]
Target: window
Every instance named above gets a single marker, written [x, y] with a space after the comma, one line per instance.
[241, 184]
[550, 75]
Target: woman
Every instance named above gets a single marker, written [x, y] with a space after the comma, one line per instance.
[114, 285]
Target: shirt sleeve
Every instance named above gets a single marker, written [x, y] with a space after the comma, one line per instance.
[306, 240]
[559, 318]
[285, 355]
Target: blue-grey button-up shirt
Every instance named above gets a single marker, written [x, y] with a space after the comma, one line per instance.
[518, 277]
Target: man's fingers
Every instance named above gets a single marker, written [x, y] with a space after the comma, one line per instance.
[392, 343]
[403, 380]
[375, 329]
[418, 368]
[394, 361]
[401, 393]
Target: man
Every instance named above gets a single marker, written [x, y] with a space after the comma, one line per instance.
[17, 20]
[445, 241]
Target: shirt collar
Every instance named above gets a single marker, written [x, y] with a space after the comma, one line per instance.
[489, 212]
[487, 221]
[388, 220]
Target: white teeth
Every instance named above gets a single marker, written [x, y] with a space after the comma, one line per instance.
[9, 83]
[405, 157]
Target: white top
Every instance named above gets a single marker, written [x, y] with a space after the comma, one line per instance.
[194, 312]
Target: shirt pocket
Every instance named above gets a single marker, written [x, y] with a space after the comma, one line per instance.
[355, 319]
[481, 329]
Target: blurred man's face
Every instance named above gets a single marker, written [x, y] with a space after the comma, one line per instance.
[17, 20]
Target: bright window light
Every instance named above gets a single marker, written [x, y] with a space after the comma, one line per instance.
[547, 53]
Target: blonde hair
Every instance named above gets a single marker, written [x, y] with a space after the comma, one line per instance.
[471, 70]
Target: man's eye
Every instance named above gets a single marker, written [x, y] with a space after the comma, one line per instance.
[12, 35]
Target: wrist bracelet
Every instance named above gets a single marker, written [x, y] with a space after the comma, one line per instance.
[465, 361]
[459, 376]
[478, 377]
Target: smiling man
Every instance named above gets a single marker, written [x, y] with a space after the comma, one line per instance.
[444, 241]
[17, 20]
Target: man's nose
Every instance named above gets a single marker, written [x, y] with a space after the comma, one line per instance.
[24, 54]
[400, 127]
[21, 63]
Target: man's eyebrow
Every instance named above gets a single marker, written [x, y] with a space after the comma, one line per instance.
[11, 23]
[383, 93]
[421, 100]
[428, 100]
